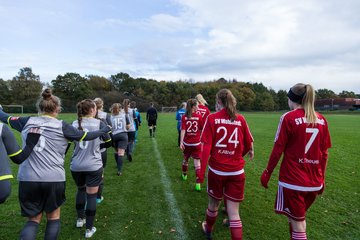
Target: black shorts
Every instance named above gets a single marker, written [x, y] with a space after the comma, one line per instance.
[152, 123]
[88, 178]
[131, 136]
[37, 197]
[120, 140]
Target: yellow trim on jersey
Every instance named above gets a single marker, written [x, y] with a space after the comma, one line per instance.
[83, 137]
[8, 121]
[45, 115]
[16, 153]
[108, 140]
[4, 177]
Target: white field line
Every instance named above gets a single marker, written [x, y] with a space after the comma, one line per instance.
[175, 213]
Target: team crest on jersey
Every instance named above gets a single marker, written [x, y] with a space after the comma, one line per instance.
[14, 118]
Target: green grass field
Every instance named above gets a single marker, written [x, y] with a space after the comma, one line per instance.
[150, 201]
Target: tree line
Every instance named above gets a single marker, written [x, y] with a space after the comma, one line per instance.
[25, 88]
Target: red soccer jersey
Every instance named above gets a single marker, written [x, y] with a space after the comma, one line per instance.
[304, 147]
[229, 141]
[203, 111]
[193, 127]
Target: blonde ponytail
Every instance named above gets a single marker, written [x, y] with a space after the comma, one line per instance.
[304, 95]
[309, 105]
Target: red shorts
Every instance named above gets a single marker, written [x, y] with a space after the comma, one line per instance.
[232, 187]
[293, 203]
[192, 151]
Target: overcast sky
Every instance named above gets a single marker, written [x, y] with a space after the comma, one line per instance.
[276, 42]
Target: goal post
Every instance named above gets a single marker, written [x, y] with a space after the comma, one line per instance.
[168, 109]
[13, 108]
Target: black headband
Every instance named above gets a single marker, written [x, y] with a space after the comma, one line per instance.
[295, 98]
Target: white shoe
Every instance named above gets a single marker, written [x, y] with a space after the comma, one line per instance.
[80, 222]
[89, 233]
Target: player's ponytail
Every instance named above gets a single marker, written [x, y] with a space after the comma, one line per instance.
[126, 103]
[228, 101]
[48, 103]
[83, 109]
[304, 95]
[115, 109]
[308, 104]
[201, 99]
[189, 106]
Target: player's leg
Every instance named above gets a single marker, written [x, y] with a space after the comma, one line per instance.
[298, 230]
[234, 193]
[234, 219]
[99, 196]
[93, 180]
[29, 193]
[185, 163]
[196, 152]
[53, 225]
[30, 229]
[150, 129]
[215, 192]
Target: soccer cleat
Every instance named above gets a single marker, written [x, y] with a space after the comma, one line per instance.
[198, 187]
[99, 200]
[89, 233]
[184, 177]
[205, 231]
[130, 158]
[119, 173]
[80, 222]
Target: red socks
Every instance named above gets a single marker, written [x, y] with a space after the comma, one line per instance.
[210, 219]
[236, 229]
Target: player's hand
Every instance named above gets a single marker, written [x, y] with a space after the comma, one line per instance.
[265, 177]
[251, 154]
[182, 147]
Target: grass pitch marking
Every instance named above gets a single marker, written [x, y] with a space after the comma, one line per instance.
[176, 215]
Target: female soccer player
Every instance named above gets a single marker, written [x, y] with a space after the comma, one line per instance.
[105, 117]
[179, 115]
[303, 137]
[137, 119]
[120, 123]
[9, 148]
[191, 127]
[42, 176]
[131, 131]
[204, 111]
[226, 138]
[86, 165]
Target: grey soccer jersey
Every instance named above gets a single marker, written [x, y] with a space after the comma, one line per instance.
[118, 123]
[46, 162]
[131, 114]
[104, 116]
[87, 155]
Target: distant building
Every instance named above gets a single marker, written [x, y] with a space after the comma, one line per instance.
[330, 104]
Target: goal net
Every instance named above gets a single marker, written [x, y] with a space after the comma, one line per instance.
[13, 108]
[168, 109]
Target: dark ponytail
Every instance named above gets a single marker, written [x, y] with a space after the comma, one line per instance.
[189, 105]
[83, 109]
